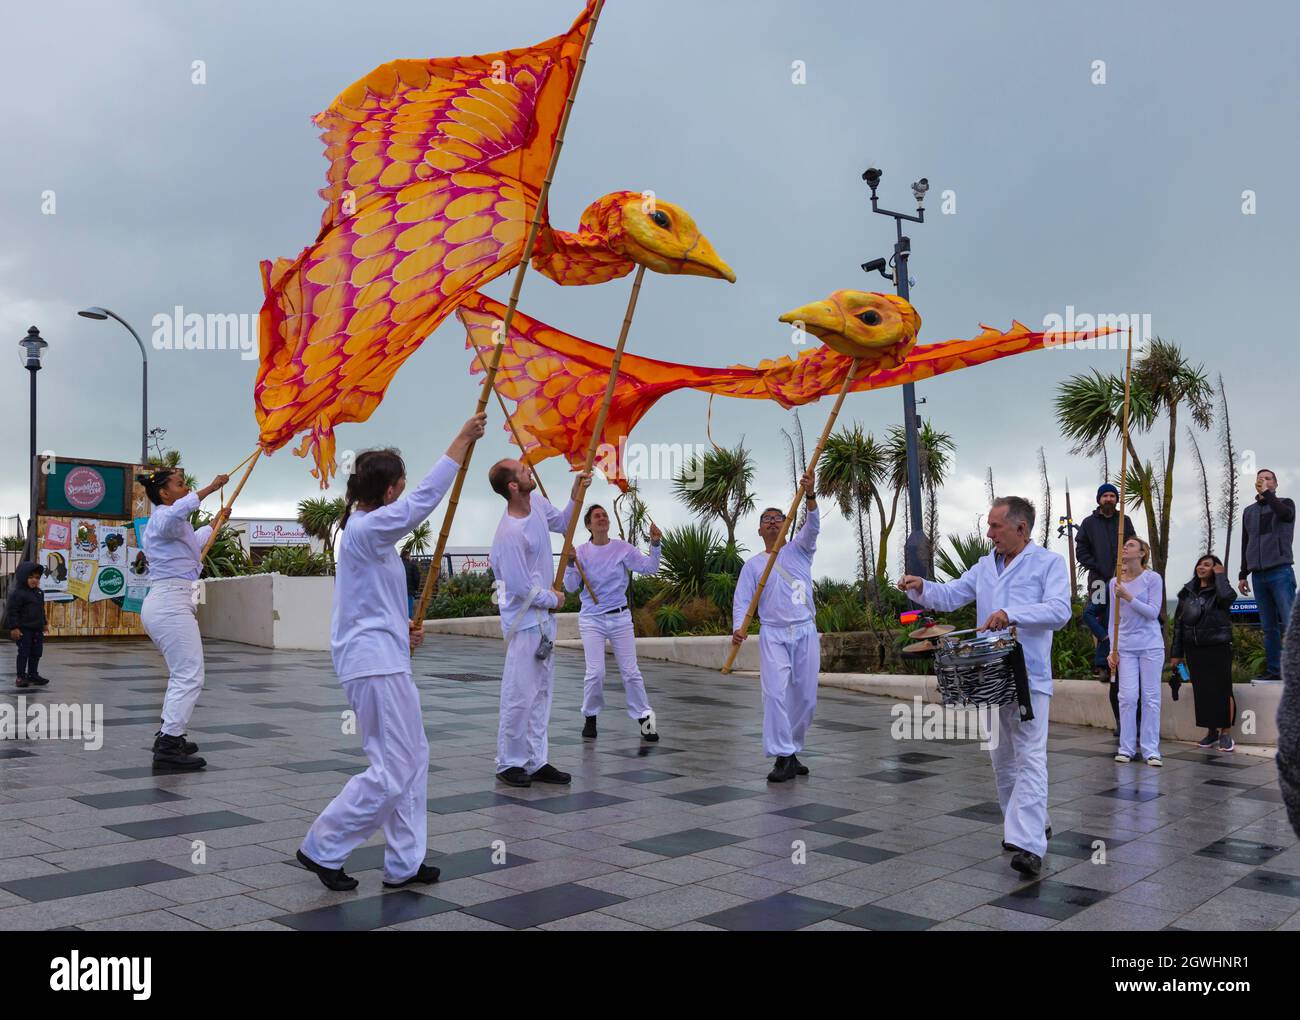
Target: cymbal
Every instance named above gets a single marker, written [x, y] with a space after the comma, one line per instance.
[918, 648]
[934, 630]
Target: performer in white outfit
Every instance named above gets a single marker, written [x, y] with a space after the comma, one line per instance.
[173, 547]
[789, 646]
[607, 563]
[371, 640]
[523, 565]
[1023, 584]
[1141, 656]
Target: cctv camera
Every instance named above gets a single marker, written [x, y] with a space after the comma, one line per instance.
[920, 188]
[872, 176]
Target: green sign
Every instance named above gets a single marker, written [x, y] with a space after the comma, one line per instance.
[74, 488]
[110, 580]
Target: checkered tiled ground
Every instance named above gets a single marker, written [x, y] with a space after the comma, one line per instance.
[899, 835]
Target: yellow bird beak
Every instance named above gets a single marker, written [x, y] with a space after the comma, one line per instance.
[705, 261]
[818, 317]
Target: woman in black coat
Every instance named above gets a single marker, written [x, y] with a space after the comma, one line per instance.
[1203, 639]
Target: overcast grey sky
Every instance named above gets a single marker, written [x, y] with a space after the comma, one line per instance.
[1123, 197]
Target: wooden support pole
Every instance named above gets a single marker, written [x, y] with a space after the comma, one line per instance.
[225, 507]
[1123, 475]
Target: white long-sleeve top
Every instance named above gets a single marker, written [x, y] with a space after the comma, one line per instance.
[1139, 620]
[523, 565]
[1033, 590]
[172, 544]
[786, 600]
[369, 629]
[607, 568]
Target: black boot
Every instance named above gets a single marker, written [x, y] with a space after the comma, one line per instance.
[589, 727]
[799, 767]
[1027, 864]
[169, 755]
[334, 879]
[514, 776]
[648, 731]
[187, 745]
[548, 773]
[427, 875]
[34, 679]
[783, 770]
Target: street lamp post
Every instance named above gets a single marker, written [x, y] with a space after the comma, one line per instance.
[33, 349]
[916, 547]
[95, 312]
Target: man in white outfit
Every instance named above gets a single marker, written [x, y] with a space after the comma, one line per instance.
[789, 646]
[606, 564]
[523, 565]
[1026, 585]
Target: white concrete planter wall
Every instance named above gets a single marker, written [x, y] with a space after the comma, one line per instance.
[269, 610]
[566, 626]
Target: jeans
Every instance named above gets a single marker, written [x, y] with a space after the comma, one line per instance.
[1275, 592]
[1095, 619]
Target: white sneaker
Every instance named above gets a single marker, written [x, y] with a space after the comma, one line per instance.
[1155, 761]
[1123, 758]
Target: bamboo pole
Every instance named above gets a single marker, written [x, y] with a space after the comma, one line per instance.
[594, 444]
[225, 506]
[520, 443]
[1123, 473]
[435, 568]
[794, 508]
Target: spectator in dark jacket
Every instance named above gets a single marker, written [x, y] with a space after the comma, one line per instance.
[1203, 641]
[1267, 528]
[412, 581]
[25, 621]
[1096, 549]
[1288, 724]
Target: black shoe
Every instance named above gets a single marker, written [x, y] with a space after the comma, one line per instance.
[589, 727]
[799, 767]
[427, 875]
[187, 745]
[514, 776]
[548, 773]
[21, 681]
[648, 731]
[36, 680]
[783, 770]
[334, 879]
[169, 754]
[1027, 864]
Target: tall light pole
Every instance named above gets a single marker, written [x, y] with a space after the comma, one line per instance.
[33, 349]
[95, 312]
[916, 547]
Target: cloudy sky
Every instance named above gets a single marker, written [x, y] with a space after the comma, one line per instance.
[1122, 197]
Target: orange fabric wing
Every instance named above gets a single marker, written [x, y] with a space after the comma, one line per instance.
[557, 380]
[435, 170]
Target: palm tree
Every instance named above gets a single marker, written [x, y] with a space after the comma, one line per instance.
[320, 518]
[418, 540]
[934, 449]
[852, 466]
[691, 556]
[1090, 409]
[963, 552]
[172, 459]
[718, 485]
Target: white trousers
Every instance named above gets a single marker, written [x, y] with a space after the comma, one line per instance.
[392, 793]
[1139, 677]
[1020, 768]
[170, 618]
[616, 628]
[789, 661]
[527, 685]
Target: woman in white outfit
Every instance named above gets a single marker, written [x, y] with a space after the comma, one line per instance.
[1141, 655]
[607, 564]
[371, 639]
[169, 614]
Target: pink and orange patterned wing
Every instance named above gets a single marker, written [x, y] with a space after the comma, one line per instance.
[435, 170]
[577, 259]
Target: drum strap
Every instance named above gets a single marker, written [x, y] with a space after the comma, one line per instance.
[1021, 675]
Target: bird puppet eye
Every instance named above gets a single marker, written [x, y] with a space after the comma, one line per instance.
[871, 317]
[659, 218]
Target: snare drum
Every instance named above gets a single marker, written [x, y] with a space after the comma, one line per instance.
[977, 670]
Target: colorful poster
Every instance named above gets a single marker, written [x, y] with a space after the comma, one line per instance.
[109, 583]
[140, 524]
[57, 535]
[137, 566]
[135, 594]
[55, 564]
[112, 545]
[85, 538]
[81, 577]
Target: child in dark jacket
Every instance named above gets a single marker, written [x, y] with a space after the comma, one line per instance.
[25, 621]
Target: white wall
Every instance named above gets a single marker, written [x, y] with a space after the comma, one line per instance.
[268, 610]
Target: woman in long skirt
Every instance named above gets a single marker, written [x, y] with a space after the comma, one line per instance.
[1203, 642]
[174, 548]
